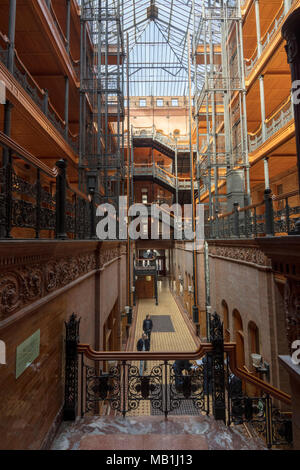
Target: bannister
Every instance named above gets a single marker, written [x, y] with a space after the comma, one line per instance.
[276, 121]
[39, 96]
[261, 219]
[40, 200]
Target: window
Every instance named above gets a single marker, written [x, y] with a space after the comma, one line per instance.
[143, 103]
[175, 102]
[159, 102]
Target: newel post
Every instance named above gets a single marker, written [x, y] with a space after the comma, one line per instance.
[71, 371]
[61, 190]
[218, 375]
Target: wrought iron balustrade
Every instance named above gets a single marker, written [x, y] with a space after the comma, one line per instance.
[280, 118]
[276, 215]
[118, 380]
[35, 199]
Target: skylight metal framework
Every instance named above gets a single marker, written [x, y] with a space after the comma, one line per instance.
[101, 97]
[220, 100]
[158, 43]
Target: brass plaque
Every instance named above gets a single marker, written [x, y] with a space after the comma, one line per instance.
[27, 352]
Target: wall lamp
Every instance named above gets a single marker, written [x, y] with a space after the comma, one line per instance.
[260, 365]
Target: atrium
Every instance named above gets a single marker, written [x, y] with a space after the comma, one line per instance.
[150, 225]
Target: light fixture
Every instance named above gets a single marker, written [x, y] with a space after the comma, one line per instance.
[260, 365]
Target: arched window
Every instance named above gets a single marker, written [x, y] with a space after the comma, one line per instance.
[253, 338]
[238, 334]
[225, 312]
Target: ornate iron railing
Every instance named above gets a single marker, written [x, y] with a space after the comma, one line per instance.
[279, 119]
[35, 199]
[267, 38]
[119, 381]
[276, 215]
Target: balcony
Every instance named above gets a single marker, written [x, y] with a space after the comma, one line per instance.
[279, 119]
[39, 96]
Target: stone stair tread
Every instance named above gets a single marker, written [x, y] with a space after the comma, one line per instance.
[152, 433]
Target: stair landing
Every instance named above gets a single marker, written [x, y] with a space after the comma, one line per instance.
[152, 433]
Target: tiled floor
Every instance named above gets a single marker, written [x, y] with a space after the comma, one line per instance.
[179, 340]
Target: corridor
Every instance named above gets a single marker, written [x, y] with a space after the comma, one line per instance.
[166, 316]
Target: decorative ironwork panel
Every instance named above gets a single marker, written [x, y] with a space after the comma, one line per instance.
[102, 387]
[193, 386]
[145, 387]
[282, 428]
[71, 372]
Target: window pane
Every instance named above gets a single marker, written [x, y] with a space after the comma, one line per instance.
[174, 102]
[159, 102]
[142, 103]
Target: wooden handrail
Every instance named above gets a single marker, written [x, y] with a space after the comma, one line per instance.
[253, 206]
[11, 144]
[286, 195]
[203, 348]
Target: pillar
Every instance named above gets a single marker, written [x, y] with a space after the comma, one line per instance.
[68, 22]
[262, 107]
[258, 31]
[266, 171]
[67, 88]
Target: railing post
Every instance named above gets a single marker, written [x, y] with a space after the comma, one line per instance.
[7, 208]
[38, 204]
[93, 235]
[45, 102]
[61, 185]
[218, 376]
[71, 371]
[236, 220]
[269, 213]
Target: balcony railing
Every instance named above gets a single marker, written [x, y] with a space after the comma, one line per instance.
[276, 121]
[152, 169]
[40, 203]
[118, 380]
[181, 143]
[276, 215]
[266, 39]
[39, 96]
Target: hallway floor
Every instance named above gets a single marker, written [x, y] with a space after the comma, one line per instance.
[180, 339]
[141, 430]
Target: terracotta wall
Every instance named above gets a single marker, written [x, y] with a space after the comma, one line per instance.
[241, 275]
[182, 264]
[41, 285]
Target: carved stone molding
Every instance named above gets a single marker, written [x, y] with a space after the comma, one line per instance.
[28, 278]
[292, 310]
[247, 254]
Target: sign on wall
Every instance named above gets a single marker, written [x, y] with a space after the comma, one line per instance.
[27, 352]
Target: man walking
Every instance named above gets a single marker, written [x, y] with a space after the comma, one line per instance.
[143, 344]
[147, 326]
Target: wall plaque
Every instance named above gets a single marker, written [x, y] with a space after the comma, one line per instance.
[27, 352]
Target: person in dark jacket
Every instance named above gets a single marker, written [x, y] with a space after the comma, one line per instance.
[147, 326]
[179, 366]
[143, 344]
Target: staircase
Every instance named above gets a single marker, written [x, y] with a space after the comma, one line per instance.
[153, 433]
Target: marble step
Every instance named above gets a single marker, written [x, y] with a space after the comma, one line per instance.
[152, 433]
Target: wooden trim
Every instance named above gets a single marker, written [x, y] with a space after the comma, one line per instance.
[42, 12]
[32, 112]
[203, 348]
[11, 144]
